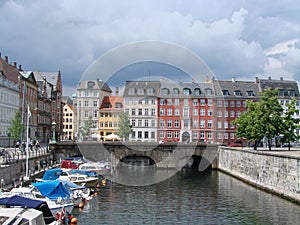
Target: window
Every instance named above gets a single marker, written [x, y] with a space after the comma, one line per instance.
[219, 113]
[232, 114]
[139, 123]
[150, 91]
[185, 112]
[140, 102]
[232, 136]
[225, 113]
[86, 103]
[175, 91]
[133, 122]
[176, 101]
[225, 136]
[202, 112]
[219, 124]
[195, 123]
[161, 134]
[162, 123]
[219, 103]
[146, 111]
[202, 123]
[225, 124]
[169, 123]
[161, 101]
[244, 104]
[238, 103]
[209, 124]
[165, 91]
[225, 92]
[162, 112]
[95, 114]
[133, 134]
[146, 123]
[197, 91]
[208, 91]
[169, 112]
[153, 123]
[152, 112]
[195, 112]
[131, 91]
[169, 134]
[95, 103]
[86, 114]
[226, 103]
[202, 102]
[209, 135]
[176, 134]
[146, 101]
[140, 91]
[231, 104]
[209, 102]
[132, 111]
[195, 102]
[195, 135]
[209, 112]
[250, 93]
[238, 93]
[176, 123]
[146, 135]
[291, 93]
[169, 101]
[186, 123]
[176, 112]
[186, 91]
[140, 112]
[202, 135]
[140, 134]
[185, 102]
[281, 93]
[152, 135]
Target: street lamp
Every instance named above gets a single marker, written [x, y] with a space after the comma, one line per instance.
[9, 134]
[53, 132]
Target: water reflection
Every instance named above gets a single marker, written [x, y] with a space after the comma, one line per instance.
[189, 197]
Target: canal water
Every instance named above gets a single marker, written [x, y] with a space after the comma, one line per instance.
[188, 197]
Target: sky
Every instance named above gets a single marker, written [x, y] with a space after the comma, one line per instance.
[234, 38]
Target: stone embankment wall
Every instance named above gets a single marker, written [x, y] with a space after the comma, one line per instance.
[277, 173]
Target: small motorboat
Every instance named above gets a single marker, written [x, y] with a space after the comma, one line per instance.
[101, 168]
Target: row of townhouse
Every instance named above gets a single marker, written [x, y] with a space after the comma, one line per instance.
[40, 91]
[184, 112]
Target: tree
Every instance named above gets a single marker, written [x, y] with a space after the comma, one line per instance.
[88, 124]
[262, 119]
[124, 126]
[16, 128]
[290, 123]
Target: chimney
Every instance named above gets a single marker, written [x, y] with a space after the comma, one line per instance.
[117, 91]
[256, 80]
[6, 59]
[281, 78]
[269, 78]
[20, 67]
[233, 80]
[15, 64]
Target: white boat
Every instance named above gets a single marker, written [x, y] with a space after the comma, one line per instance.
[30, 192]
[78, 178]
[101, 168]
[20, 210]
[16, 216]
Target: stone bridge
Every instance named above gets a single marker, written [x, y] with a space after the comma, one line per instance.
[167, 155]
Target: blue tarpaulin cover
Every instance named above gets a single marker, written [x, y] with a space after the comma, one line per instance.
[52, 174]
[52, 189]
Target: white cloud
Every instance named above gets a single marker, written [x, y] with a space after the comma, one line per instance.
[230, 36]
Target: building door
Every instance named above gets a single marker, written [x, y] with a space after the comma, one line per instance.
[185, 137]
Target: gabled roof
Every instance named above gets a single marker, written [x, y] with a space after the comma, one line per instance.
[28, 75]
[94, 85]
[244, 87]
[285, 85]
[9, 71]
[108, 103]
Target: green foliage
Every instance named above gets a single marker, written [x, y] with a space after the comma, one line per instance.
[124, 126]
[88, 124]
[290, 123]
[16, 128]
[262, 119]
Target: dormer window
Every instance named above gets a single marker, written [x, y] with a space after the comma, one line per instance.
[175, 91]
[131, 91]
[186, 91]
[225, 92]
[165, 91]
[140, 91]
[208, 91]
[238, 93]
[118, 105]
[150, 91]
[292, 93]
[197, 91]
[281, 93]
[250, 93]
[90, 84]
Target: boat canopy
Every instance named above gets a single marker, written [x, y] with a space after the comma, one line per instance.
[84, 172]
[52, 174]
[52, 189]
[23, 202]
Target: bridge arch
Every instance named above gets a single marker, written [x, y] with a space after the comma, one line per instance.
[138, 160]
